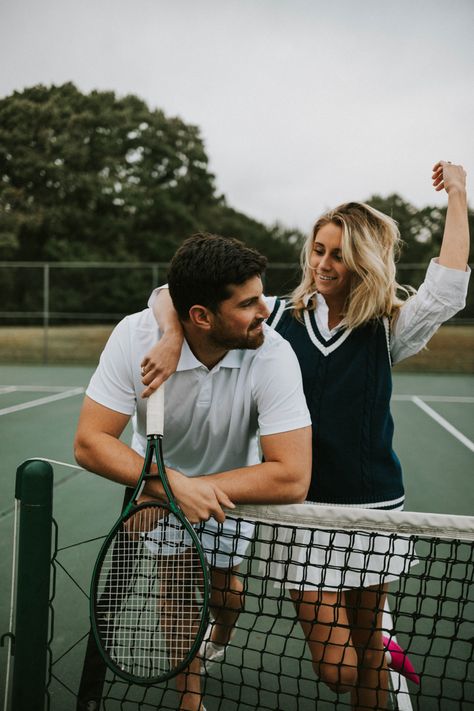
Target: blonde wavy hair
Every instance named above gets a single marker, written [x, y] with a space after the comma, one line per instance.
[370, 247]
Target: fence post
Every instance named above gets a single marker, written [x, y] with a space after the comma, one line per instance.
[154, 276]
[34, 489]
[45, 311]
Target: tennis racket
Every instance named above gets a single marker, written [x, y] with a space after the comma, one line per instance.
[150, 586]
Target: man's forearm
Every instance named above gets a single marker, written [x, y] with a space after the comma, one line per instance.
[282, 478]
[265, 483]
[107, 456]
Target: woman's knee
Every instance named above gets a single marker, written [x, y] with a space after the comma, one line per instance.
[340, 678]
[372, 658]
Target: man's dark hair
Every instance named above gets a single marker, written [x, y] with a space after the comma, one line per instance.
[205, 266]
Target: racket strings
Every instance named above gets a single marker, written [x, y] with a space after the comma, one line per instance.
[150, 594]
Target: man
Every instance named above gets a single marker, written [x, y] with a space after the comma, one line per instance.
[235, 379]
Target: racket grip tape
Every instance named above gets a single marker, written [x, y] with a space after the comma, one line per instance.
[155, 412]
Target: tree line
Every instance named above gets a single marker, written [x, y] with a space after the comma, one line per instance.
[96, 177]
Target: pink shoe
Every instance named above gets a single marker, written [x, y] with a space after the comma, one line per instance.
[397, 659]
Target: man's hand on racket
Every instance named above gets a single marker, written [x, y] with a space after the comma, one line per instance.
[199, 499]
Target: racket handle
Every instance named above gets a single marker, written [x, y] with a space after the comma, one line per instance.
[155, 412]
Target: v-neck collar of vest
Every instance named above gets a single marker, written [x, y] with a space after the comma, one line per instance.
[325, 347]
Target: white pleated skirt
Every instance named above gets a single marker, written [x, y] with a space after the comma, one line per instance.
[334, 560]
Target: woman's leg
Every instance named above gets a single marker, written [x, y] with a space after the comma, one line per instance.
[325, 623]
[365, 611]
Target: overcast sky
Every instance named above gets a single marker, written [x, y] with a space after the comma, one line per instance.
[302, 104]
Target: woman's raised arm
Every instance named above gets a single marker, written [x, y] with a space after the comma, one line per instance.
[162, 360]
[455, 245]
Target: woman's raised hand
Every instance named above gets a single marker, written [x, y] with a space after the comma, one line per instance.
[448, 176]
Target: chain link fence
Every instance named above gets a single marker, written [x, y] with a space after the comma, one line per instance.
[69, 295]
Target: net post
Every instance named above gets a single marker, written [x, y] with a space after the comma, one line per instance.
[34, 490]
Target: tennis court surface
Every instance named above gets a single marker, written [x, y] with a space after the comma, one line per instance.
[267, 666]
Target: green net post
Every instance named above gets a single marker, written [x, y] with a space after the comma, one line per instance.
[34, 490]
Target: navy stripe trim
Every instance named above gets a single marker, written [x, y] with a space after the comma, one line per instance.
[277, 312]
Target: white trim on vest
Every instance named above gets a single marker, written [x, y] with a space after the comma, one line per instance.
[325, 350]
[377, 505]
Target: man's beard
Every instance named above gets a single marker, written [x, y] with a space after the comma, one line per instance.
[251, 341]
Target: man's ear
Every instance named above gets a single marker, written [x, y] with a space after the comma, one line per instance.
[201, 317]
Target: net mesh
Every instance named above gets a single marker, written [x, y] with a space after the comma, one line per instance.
[427, 563]
[426, 560]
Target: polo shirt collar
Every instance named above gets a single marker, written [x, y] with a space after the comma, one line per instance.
[188, 361]
[322, 313]
[320, 299]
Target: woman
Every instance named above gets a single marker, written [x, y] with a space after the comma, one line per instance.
[348, 325]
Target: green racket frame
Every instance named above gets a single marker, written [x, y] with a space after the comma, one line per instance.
[153, 451]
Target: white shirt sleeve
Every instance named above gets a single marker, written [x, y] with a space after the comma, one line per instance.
[442, 294]
[278, 388]
[112, 384]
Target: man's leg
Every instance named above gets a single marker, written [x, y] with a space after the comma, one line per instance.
[181, 622]
[188, 684]
[226, 547]
[227, 599]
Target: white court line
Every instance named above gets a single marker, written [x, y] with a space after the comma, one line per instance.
[444, 423]
[63, 464]
[42, 401]
[35, 388]
[398, 682]
[435, 398]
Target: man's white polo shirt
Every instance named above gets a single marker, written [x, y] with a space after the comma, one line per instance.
[211, 417]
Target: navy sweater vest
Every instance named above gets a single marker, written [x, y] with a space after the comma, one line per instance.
[348, 384]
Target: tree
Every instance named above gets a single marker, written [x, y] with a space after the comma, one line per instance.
[96, 177]
[417, 227]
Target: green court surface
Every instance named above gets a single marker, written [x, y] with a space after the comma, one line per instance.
[39, 407]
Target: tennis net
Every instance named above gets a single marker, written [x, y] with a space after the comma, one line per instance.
[427, 562]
